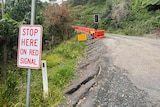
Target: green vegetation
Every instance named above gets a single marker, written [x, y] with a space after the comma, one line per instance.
[61, 57]
[131, 17]
[61, 63]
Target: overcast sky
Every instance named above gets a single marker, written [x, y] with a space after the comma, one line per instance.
[45, 0]
[48, 0]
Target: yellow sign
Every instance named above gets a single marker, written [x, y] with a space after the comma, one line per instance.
[82, 37]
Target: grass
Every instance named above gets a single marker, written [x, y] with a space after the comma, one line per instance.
[61, 63]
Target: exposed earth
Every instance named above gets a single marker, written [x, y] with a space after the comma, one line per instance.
[117, 71]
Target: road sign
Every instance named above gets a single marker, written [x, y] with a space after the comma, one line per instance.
[82, 37]
[29, 46]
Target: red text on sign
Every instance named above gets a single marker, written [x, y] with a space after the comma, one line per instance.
[28, 61]
[33, 52]
[23, 51]
[29, 42]
[29, 32]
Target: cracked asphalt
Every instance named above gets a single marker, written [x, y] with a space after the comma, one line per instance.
[115, 73]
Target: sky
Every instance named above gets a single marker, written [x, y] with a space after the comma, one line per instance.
[45, 0]
[48, 0]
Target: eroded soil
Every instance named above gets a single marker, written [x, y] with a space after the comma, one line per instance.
[99, 82]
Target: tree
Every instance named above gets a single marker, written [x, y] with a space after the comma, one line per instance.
[58, 22]
[4, 44]
[9, 35]
[18, 11]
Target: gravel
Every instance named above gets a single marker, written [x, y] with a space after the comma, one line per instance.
[99, 83]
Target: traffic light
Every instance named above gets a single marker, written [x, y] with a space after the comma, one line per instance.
[96, 18]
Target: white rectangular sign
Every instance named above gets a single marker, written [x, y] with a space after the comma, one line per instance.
[29, 46]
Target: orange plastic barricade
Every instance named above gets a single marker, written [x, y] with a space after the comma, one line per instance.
[91, 31]
[99, 33]
[82, 29]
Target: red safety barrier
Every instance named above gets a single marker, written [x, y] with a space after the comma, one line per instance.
[97, 33]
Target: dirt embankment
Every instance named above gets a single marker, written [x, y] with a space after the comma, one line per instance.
[99, 83]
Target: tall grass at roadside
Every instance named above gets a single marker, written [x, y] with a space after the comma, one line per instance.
[61, 63]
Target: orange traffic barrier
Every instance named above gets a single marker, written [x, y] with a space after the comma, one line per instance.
[99, 33]
[96, 33]
[82, 29]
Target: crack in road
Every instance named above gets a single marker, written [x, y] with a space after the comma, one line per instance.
[99, 83]
[78, 86]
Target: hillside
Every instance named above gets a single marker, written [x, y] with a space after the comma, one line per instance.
[131, 17]
[59, 43]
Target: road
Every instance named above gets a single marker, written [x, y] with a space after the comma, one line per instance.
[141, 58]
[117, 71]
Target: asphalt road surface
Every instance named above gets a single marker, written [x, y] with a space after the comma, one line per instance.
[141, 58]
[117, 71]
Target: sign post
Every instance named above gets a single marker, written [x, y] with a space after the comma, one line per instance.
[29, 51]
[29, 48]
[29, 70]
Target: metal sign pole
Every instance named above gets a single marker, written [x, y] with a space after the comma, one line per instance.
[29, 70]
[28, 87]
[33, 12]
